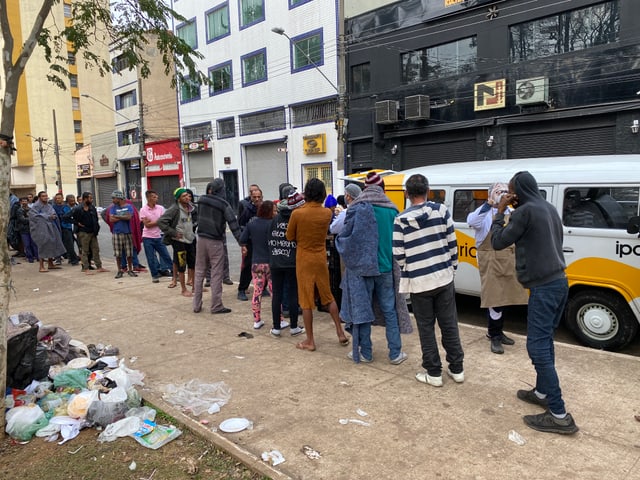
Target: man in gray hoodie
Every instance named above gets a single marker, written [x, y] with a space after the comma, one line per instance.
[536, 229]
[214, 213]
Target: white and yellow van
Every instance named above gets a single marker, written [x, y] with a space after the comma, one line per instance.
[598, 198]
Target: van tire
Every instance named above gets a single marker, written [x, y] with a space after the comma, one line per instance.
[601, 319]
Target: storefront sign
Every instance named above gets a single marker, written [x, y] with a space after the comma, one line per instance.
[200, 146]
[314, 144]
[84, 170]
[489, 95]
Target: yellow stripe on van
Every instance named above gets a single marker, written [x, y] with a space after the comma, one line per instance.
[602, 272]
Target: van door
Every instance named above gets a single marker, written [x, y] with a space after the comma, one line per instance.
[603, 262]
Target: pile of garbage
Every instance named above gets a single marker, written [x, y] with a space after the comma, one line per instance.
[56, 386]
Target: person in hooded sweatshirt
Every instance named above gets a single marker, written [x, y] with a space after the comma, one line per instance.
[214, 213]
[536, 229]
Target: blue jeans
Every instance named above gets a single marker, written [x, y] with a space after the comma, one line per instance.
[134, 259]
[546, 306]
[363, 331]
[382, 286]
[438, 304]
[151, 247]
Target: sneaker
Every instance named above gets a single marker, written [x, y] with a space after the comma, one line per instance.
[119, 274]
[155, 280]
[399, 359]
[257, 325]
[166, 273]
[504, 339]
[242, 296]
[457, 377]
[131, 273]
[207, 284]
[296, 331]
[139, 268]
[546, 422]
[424, 377]
[275, 332]
[227, 281]
[363, 359]
[496, 345]
[530, 396]
[283, 324]
[222, 310]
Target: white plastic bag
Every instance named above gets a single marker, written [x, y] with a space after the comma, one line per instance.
[125, 377]
[24, 421]
[196, 396]
[79, 404]
[121, 428]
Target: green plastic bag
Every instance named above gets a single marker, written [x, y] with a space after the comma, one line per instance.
[24, 421]
[74, 378]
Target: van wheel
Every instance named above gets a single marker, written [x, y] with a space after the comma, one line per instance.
[601, 320]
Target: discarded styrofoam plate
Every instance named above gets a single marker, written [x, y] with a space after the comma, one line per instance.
[65, 420]
[111, 361]
[80, 362]
[233, 425]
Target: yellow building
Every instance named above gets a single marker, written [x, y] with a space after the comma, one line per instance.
[34, 166]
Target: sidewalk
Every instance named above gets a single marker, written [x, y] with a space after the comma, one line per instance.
[297, 398]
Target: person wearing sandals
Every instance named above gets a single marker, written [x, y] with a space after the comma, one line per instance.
[308, 227]
[120, 214]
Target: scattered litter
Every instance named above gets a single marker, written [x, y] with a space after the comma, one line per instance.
[76, 450]
[133, 359]
[234, 425]
[159, 436]
[179, 332]
[245, 335]
[49, 291]
[203, 454]
[225, 371]
[196, 396]
[133, 466]
[516, 438]
[36, 289]
[204, 421]
[346, 384]
[637, 417]
[239, 357]
[214, 408]
[362, 413]
[346, 421]
[310, 452]
[103, 319]
[274, 457]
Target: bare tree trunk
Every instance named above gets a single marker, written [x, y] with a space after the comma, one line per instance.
[5, 272]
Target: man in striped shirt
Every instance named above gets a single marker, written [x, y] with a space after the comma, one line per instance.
[424, 244]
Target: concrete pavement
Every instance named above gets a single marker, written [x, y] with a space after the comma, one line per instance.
[297, 398]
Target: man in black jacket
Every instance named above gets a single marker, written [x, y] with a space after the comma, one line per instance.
[214, 213]
[85, 217]
[536, 229]
[247, 209]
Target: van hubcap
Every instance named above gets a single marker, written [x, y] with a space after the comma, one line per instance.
[597, 321]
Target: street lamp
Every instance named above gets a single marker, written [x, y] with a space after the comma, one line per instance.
[341, 122]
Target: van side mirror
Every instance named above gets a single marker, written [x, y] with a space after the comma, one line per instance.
[634, 225]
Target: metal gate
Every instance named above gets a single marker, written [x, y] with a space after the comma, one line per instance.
[266, 167]
[437, 153]
[105, 186]
[164, 186]
[588, 141]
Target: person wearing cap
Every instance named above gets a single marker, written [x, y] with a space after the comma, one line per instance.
[365, 245]
[499, 286]
[177, 225]
[85, 217]
[214, 214]
[120, 214]
[308, 227]
[351, 192]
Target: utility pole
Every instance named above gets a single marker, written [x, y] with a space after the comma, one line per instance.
[42, 164]
[56, 149]
[342, 121]
[143, 163]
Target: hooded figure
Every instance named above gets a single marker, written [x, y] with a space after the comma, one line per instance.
[214, 212]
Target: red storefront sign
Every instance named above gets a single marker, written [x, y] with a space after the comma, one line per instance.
[164, 158]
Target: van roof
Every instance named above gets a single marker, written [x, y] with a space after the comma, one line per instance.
[574, 170]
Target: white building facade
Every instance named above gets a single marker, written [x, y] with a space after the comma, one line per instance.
[269, 115]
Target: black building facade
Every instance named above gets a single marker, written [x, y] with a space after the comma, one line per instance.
[438, 81]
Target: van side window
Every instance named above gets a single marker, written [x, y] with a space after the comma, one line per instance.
[600, 207]
[436, 196]
[466, 201]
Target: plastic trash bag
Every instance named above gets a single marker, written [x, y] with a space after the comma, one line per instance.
[118, 394]
[103, 413]
[125, 377]
[122, 428]
[23, 422]
[143, 413]
[79, 404]
[196, 396]
[74, 378]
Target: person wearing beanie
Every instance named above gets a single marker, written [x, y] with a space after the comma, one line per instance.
[295, 200]
[177, 225]
[351, 192]
[373, 179]
[308, 228]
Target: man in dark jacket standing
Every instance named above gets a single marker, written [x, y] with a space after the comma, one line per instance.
[536, 229]
[214, 213]
[85, 217]
[247, 209]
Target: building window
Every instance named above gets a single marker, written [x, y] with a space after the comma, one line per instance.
[567, 32]
[221, 79]
[67, 10]
[188, 33]
[296, 3]
[321, 171]
[75, 103]
[120, 63]
[73, 80]
[226, 128]
[71, 58]
[254, 67]
[77, 126]
[128, 137]
[125, 100]
[262, 122]
[218, 22]
[79, 145]
[189, 91]
[251, 11]
[310, 113]
[197, 133]
[449, 59]
[307, 51]
[361, 78]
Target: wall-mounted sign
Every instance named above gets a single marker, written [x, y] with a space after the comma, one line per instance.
[450, 3]
[227, 160]
[314, 144]
[84, 170]
[196, 146]
[104, 161]
[489, 95]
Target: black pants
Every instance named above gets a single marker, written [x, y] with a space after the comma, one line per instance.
[245, 270]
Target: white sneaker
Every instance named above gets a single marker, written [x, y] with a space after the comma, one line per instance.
[399, 359]
[296, 331]
[258, 325]
[424, 377]
[457, 377]
[283, 324]
[362, 358]
[275, 332]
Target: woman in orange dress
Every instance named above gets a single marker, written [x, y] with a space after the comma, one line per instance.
[308, 228]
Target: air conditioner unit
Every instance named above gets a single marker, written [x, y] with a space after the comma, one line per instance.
[416, 107]
[532, 90]
[387, 112]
